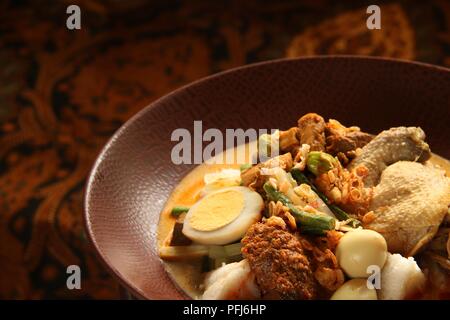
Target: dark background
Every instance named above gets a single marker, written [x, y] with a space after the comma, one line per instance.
[64, 93]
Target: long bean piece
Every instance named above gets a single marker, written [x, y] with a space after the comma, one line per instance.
[309, 222]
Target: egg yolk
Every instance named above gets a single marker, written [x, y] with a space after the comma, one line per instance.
[217, 210]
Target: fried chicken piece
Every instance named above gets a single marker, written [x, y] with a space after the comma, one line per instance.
[343, 142]
[409, 205]
[278, 261]
[289, 141]
[390, 146]
[312, 131]
[291, 266]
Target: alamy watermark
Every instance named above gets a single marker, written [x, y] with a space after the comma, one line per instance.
[74, 279]
[223, 148]
[374, 279]
[73, 21]
[374, 20]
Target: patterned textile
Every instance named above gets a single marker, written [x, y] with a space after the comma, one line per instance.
[64, 93]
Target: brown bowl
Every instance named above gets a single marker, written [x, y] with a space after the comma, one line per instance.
[133, 176]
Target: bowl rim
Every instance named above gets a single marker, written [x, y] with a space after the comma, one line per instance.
[125, 283]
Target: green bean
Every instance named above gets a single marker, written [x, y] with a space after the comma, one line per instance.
[309, 222]
[176, 211]
[320, 162]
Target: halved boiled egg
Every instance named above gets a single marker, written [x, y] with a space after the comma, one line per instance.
[223, 216]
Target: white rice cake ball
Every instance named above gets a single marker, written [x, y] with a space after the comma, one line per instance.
[400, 278]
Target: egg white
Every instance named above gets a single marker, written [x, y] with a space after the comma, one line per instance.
[222, 179]
[233, 231]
